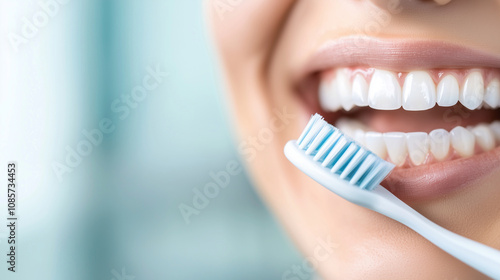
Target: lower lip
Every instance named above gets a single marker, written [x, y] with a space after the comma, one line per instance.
[434, 180]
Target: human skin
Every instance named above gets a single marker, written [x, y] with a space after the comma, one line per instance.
[262, 45]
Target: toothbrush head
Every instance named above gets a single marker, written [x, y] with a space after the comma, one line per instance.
[343, 156]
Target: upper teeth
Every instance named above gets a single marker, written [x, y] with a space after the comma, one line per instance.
[419, 92]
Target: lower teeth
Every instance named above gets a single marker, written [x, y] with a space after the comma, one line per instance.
[417, 148]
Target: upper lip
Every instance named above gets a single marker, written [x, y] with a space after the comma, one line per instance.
[396, 55]
[404, 55]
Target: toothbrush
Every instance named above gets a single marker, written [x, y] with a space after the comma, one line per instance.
[351, 171]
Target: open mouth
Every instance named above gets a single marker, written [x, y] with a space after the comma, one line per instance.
[440, 125]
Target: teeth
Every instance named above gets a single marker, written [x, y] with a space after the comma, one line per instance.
[374, 141]
[359, 136]
[384, 92]
[484, 137]
[495, 128]
[395, 143]
[360, 91]
[492, 95]
[472, 93]
[418, 146]
[440, 143]
[329, 96]
[344, 90]
[419, 92]
[462, 141]
[447, 91]
[350, 126]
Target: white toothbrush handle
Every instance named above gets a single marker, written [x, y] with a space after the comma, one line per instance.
[481, 257]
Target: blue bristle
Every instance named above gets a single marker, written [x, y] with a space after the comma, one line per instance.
[319, 140]
[312, 121]
[354, 163]
[334, 154]
[344, 159]
[363, 169]
[327, 146]
[342, 155]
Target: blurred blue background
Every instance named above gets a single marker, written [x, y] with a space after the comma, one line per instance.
[117, 211]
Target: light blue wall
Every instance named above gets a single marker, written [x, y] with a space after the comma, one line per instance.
[178, 137]
[120, 207]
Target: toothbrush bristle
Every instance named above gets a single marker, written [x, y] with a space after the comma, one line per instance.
[342, 155]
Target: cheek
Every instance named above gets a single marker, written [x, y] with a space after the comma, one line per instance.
[246, 28]
[475, 215]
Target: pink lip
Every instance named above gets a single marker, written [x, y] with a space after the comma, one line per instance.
[396, 55]
[428, 181]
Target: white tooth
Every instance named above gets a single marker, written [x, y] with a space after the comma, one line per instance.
[374, 141]
[440, 143]
[492, 95]
[347, 131]
[345, 89]
[359, 136]
[384, 92]
[418, 146]
[395, 143]
[462, 141]
[329, 96]
[349, 126]
[344, 126]
[360, 91]
[484, 137]
[495, 128]
[472, 92]
[354, 124]
[447, 91]
[419, 91]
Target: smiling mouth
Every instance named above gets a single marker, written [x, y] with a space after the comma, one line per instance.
[438, 123]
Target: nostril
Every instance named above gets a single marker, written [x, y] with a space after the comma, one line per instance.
[442, 2]
[384, 4]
